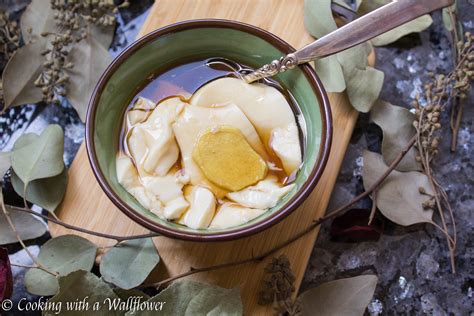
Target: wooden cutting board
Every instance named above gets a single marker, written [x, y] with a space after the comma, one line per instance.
[85, 204]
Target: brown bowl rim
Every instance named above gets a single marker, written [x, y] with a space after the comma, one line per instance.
[237, 233]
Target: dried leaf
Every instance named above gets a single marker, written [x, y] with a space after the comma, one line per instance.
[397, 126]
[90, 59]
[64, 254]
[103, 34]
[415, 26]
[5, 163]
[39, 156]
[46, 193]
[80, 285]
[398, 197]
[124, 295]
[341, 297]
[353, 226]
[330, 72]
[364, 83]
[6, 277]
[448, 23]
[129, 263]
[319, 21]
[318, 18]
[37, 18]
[194, 298]
[27, 226]
[19, 75]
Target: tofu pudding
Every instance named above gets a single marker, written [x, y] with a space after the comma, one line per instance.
[204, 149]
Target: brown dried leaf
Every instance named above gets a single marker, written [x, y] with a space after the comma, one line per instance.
[37, 18]
[398, 198]
[90, 59]
[397, 126]
[341, 297]
[20, 73]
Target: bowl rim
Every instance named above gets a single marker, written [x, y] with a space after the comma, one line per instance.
[288, 208]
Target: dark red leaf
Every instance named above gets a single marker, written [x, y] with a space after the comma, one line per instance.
[353, 226]
[6, 277]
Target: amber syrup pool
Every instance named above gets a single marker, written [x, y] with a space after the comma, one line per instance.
[185, 79]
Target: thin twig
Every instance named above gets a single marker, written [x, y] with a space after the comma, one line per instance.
[23, 266]
[18, 237]
[374, 207]
[83, 230]
[298, 235]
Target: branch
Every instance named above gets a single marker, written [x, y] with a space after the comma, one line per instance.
[83, 230]
[18, 237]
[300, 234]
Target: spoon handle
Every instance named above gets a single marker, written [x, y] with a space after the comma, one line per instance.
[364, 28]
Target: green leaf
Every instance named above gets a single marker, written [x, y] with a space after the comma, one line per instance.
[129, 263]
[5, 163]
[318, 18]
[63, 255]
[415, 26]
[348, 297]
[90, 59]
[28, 226]
[330, 72]
[19, 75]
[448, 23]
[397, 126]
[194, 298]
[46, 193]
[80, 285]
[39, 156]
[364, 83]
[38, 17]
[398, 197]
[126, 294]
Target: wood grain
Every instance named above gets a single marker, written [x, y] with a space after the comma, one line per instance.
[85, 204]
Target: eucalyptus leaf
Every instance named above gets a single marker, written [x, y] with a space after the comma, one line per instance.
[318, 18]
[397, 126]
[102, 34]
[19, 75]
[448, 23]
[39, 156]
[330, 72]
[28, 226]
[46, 193]
[363, 86]
[415, 26]
[90, 58]
[64, 254]
[124, 295]
[5, 163]
[37, 18]
[80, 285]
[129, 263]
[398, 198]
[193, 298]
[319, 21]
[348, 297]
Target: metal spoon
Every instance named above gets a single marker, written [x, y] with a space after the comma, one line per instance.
[369, 26]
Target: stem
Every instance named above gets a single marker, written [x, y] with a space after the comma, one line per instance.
[298, 235]
[456, 121]
[374, 207]
[18, 237]
[83, 230]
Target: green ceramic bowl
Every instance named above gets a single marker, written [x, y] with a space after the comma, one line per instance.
[183, 42]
